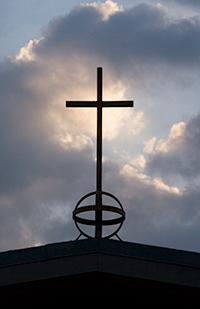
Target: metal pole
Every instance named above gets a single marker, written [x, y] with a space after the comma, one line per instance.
[98, 213]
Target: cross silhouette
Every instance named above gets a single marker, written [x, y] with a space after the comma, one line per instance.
[99, 104]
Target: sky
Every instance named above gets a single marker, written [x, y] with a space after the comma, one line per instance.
[150, 53]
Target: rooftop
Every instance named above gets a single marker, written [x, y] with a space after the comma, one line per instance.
[110, 265]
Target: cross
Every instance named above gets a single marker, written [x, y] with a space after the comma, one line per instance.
[99, 104]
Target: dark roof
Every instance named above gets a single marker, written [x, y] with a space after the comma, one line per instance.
[99, 265]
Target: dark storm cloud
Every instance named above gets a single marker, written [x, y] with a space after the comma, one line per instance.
[155, 215]
[144, 33]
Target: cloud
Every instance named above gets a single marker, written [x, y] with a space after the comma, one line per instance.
[106, 9]
[178, 155]
[194, 3]
[174, 141]
[124, 36]
[47, 151]
[158, 213]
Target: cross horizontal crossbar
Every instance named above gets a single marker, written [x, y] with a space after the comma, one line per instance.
[99, 103]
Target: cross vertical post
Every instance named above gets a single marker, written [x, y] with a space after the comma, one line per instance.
[98, 213]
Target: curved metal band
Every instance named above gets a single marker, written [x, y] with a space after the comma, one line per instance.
[108, 236]
[103, 208]
[84, 197]
[103, 193]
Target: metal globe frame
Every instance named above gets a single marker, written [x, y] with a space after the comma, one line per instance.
[103, 208]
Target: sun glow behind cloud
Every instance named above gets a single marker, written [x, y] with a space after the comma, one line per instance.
[62, 83]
